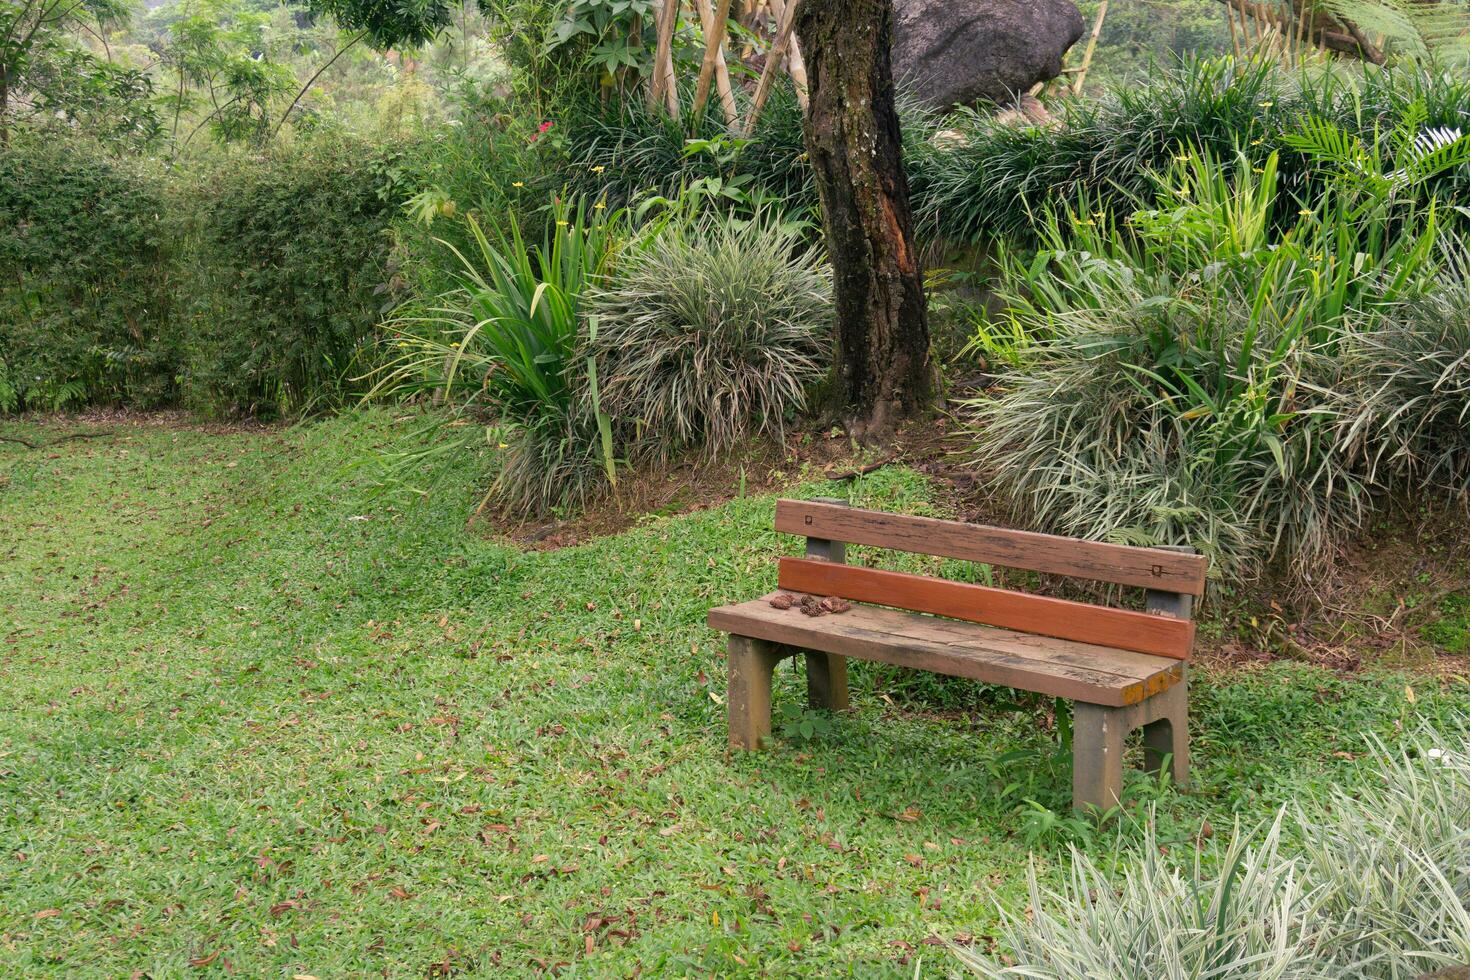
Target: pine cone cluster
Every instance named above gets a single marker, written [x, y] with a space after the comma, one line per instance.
[811, 605]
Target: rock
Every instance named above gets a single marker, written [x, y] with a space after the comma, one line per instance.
[957, 52]
[1028, 111]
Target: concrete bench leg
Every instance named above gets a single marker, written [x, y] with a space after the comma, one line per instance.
[1098, 736]
[1097, 755]
[826, 681]
[1166, 733]
[748, 698]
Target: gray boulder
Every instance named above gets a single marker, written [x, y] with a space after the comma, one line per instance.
[958, 52]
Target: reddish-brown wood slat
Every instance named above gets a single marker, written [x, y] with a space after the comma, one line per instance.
[1149, 568]
[1121, 628]
[1061, 668]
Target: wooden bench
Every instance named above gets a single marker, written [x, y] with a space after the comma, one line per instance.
[1124, 669]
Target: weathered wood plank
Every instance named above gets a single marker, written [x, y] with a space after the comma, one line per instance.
[1125, 664]
[1149, 568]
[1124, 629]
[979, 652]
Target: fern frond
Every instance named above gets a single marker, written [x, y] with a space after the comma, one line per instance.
[1409, 28]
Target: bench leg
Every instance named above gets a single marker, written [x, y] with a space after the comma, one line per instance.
[1098, 734]
[826, 681]
[748, 698]
[1167, 735]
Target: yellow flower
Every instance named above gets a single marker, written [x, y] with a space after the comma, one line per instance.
[597, 169]
[1266, 105]
[599, 205]
[562, 223]
[519, 183]
[505, 445]
[1257, 141]
[1305, 212]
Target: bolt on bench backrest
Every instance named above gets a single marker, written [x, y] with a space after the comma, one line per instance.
[1171, 576]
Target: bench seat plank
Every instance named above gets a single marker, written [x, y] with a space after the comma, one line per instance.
[1061, 668]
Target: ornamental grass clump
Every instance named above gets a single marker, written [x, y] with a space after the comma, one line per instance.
[1392, 860]
[1000, 179]
[1254, 918]
[710, 333]
[1367, 880]
[1407, 415]
[1184, 385]
[503, 350]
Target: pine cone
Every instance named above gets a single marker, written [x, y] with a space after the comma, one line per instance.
[783, 601]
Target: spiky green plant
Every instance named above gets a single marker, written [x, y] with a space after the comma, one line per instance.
[1406, 416]
[712, 332]
[505, 344]
[1170, 396]
[1365, 880]
[999, 180]
[1253, 919]
[1392, 858]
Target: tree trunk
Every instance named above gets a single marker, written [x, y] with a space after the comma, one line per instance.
[883, 372]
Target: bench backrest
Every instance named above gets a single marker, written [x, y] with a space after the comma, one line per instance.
[1171, 576]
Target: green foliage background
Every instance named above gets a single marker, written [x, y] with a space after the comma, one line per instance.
[246, 284]
[287, 274]
[85, 297]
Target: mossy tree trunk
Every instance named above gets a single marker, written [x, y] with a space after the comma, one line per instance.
[883, 372]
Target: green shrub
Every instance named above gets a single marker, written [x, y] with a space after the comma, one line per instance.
[637, 151]
[1371, 880]
[289, 269]
[999, 179]
[493, 165]
[85, 303]
[504, 343]
[711, 332]
[1175, 393]
[1407, 413]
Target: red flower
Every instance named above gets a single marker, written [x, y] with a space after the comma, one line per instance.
[544, 127]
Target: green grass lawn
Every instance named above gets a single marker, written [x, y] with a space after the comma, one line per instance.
[256, 718]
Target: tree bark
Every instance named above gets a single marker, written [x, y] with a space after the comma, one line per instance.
[883, 371]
